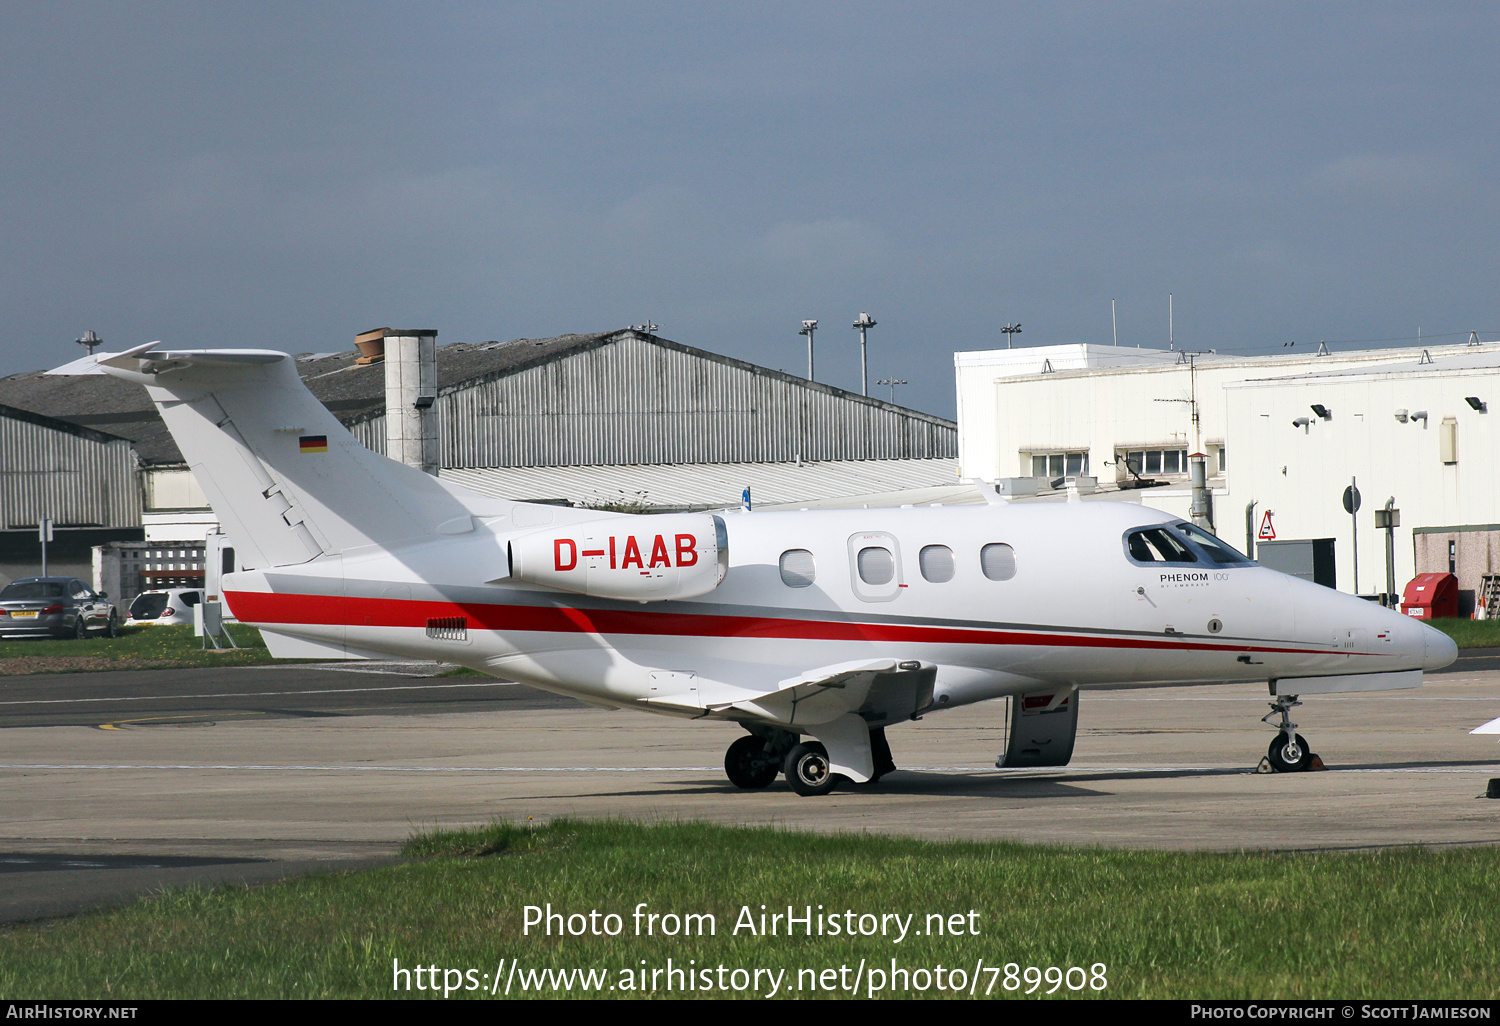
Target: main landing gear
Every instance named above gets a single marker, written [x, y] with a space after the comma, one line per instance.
[753, 762]
[808, 770]
[1288, 752]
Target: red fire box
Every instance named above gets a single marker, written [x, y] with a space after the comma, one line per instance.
[1430, 596]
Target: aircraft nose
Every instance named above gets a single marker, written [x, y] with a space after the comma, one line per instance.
[1438, 650]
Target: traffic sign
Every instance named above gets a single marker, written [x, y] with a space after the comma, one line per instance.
[1351, 500]
[1267, 529]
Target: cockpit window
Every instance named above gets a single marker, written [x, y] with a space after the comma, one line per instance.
[1214, 548]
[1158, 545]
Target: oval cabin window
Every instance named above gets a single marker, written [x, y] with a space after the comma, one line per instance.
[998, 561]
[876, 565]
[797, 568]
[937, 563]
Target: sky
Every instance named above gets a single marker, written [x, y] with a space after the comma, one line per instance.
[286, 175]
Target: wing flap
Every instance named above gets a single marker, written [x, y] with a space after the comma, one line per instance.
[883, 690]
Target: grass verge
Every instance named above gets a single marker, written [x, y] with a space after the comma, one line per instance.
[1470, 633]
[1394, 924]
[137, 648]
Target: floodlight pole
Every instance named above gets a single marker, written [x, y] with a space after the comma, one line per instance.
[808, 327]
[863, 323]
[1010, 331]
[893, 382]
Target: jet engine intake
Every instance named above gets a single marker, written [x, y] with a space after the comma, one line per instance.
[644, 558]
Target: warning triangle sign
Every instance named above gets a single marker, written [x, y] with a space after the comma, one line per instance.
[1267, 529]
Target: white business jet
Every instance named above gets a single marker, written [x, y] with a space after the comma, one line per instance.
[814, 630]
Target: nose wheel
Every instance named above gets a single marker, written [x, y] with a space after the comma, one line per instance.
[1289, 756]
[1288, 752]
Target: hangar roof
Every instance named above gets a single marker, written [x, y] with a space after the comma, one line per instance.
[351, 391]
[689, 486]
[1414, 363]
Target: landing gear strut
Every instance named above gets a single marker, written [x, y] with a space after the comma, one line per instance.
[1288, 752]
[880, 754]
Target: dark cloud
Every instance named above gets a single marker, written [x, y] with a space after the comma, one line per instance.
[286, 175]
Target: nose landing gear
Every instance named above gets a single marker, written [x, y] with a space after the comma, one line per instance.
[1288, 752]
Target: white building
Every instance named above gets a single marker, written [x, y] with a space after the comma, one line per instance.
[1409, 424]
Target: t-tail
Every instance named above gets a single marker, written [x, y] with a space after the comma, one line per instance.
[285, 478]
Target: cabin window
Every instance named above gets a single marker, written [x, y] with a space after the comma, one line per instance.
[876, 565]
[797, 568]
[998, 561]
[937, 563]
[1158, 545]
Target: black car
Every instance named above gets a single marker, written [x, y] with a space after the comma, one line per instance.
[55, 607]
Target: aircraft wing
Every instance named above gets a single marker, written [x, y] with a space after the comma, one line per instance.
[881, 690]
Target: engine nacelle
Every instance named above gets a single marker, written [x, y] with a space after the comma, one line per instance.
[645, 558]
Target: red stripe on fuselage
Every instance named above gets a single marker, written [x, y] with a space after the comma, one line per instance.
[329, 610]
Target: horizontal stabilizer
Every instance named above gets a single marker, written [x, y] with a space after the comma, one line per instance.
[1492, 727]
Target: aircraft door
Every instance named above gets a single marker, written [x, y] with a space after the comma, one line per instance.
[1041, 729]
[875, 566]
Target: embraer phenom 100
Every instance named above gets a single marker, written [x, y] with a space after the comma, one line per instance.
[814, 630]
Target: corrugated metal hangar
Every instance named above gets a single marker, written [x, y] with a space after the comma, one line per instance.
[628, 403]
[83, 480]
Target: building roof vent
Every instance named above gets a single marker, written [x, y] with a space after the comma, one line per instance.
[371, 345]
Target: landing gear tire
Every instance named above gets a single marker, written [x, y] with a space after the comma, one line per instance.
[1289, 757]
[808, 770]
[749, 765]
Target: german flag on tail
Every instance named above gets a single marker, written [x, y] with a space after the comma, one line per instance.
[313, 443]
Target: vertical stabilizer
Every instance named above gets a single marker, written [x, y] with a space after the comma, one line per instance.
[284, 477]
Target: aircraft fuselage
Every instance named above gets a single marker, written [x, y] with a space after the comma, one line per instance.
[1065, 605]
